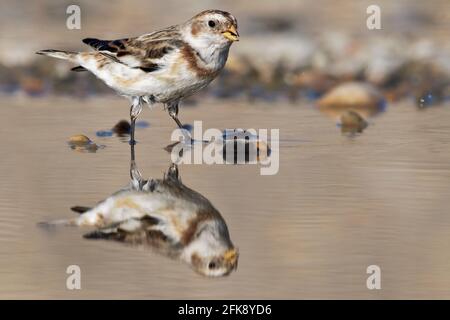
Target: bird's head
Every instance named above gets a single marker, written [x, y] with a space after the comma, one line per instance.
[213, 27]
[211, 253]
[215, 265]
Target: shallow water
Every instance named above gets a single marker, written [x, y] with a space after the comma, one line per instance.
[337, 205]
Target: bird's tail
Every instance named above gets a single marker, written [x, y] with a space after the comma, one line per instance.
[59, 54]
[65, 222]
[56, 223]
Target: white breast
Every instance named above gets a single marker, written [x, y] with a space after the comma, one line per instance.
[172, 81]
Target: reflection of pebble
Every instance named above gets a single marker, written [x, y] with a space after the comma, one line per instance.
[82, 143]
[352, 122]
[254, 148]
[253, 151]
[92, 147]
[231, 134]
[142, 124]
[104, 133]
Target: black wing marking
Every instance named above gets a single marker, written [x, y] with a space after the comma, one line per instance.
[106, 45]
[80, 209]
[142, 234]
[150, 67]
[140, 53]
[78, 69]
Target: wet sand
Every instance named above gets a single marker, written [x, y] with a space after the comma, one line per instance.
[337, 205]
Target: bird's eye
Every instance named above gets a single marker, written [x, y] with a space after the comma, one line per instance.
[211, 23]
[211, 265]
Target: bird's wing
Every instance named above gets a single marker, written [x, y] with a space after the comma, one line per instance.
[135, 232]
[131, 225]
[147, 52]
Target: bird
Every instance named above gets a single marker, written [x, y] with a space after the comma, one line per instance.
[163, 215]
[164, 66]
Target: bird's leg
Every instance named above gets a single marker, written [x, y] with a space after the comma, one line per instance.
[173, 113]
[133, 124]
[135, 175]
[173, 172]
[172, 108]
[133, 158]
[136, 108]
[133, 167]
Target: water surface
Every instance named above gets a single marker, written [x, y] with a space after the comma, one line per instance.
[337, 205]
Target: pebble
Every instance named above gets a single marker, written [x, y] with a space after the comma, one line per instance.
[360, 97]
[121, 128]
[79, 139]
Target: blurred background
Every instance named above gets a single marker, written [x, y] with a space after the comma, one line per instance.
[293, 50]
[364, 153]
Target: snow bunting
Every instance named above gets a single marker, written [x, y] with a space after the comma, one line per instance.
[165, 215]
[164, 66]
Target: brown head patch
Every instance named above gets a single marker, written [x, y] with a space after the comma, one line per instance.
[196, 261]
[195, 28]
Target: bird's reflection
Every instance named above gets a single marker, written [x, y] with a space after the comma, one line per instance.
[165, 215]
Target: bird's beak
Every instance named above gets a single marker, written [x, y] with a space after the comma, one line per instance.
[231, 257]
[231, 34]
